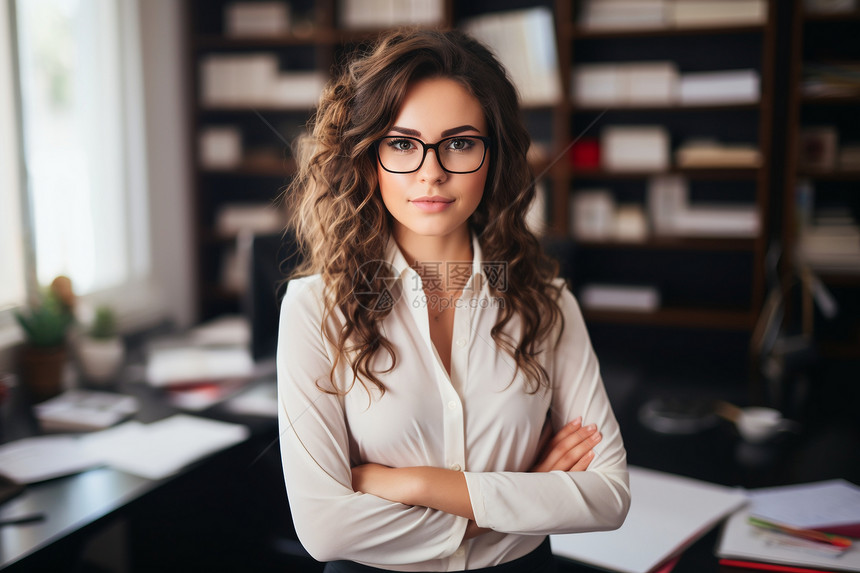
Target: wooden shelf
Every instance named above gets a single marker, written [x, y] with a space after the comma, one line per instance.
[674, 243]
[830, 175]
[666, 108]
[807, 99]
[836, 17]
[577, 32]
[734, 173]
[682, 317]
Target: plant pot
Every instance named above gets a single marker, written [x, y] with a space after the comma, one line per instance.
[100, 358]
[42, 370]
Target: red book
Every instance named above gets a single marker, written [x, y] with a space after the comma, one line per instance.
[768, 566]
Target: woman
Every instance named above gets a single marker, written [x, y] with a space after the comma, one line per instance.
[439, 397]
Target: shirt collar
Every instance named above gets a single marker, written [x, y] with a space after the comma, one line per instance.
[403, 269]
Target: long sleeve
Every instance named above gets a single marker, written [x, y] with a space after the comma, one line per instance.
[333, 521]
[563, 502]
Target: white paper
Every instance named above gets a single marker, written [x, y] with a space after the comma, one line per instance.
[667, 512]
[40, 458]
[162, 448]
[740, 540]
[808, 506]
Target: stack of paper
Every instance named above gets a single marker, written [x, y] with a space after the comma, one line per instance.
[620, 297]
[623, 14]
[254, 19]
[624, 84]
[255, 79]
[524, 42]
[688, 13]
[83, 410]
[635, 148]
[378, 14]
[162, 448]
[715, 155]
[826, 506]
[720, 87]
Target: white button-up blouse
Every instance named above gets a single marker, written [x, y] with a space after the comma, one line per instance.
[479, 420]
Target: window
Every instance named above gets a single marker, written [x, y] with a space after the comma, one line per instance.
[82, 190]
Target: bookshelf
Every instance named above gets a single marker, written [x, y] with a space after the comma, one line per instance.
[312, 39]
[821, 206]
[706, 283]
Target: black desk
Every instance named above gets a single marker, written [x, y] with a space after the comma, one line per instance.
[219, 510]
[229, 512]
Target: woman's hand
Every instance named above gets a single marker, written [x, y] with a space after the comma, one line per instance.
[569, 450]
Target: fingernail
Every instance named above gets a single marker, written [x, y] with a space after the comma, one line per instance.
[591, 427]
[596, 437]
[577, 420]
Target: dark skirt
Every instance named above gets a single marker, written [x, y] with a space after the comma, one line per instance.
[540, 560]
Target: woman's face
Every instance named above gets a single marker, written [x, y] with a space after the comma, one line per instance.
[431, 202]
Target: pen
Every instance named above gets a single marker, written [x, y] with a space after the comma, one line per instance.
[22, 519]
[811, 534]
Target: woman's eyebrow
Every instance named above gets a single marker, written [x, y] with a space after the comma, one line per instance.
[446, 133]
[406, 131]
[456, 130]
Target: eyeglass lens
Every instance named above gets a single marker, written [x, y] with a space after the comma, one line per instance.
[462, 154]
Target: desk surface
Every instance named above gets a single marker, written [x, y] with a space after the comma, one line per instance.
[77, 505]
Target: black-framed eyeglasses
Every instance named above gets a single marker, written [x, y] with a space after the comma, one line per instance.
[458, 154]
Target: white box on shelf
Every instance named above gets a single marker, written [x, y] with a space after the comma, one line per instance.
[630, 223]
[736, 221]
[720, 87]
[668, 195]
[297, 89]
[620, 297]
[690, 13]
[623, 14]
[233, 219]
[375, 14]
[652, 83]
[220, 147]
[254, 19]
[597, 84]
[635, 148]
[592, 214]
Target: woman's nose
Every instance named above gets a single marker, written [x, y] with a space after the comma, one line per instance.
[431, 170]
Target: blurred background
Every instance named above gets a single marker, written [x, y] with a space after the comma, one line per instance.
[697, 167]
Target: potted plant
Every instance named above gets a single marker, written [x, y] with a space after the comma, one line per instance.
[101, 350]
[43, 355]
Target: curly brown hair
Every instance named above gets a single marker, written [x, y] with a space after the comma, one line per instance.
[341, 221]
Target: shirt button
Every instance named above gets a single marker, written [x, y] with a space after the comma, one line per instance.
[461, 342]
[456, 467]
[460, 552]
[452, 405]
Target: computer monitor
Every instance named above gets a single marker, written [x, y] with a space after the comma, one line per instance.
[273, 258]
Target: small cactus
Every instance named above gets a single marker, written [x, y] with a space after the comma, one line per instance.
[104, 325]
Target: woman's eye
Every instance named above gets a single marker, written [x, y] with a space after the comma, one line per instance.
[401, 145]
[460, 144]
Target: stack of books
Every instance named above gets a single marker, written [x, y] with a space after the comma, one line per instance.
[524, 42]
[655, 14]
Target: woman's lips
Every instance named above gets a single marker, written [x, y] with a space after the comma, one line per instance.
[432, 204]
